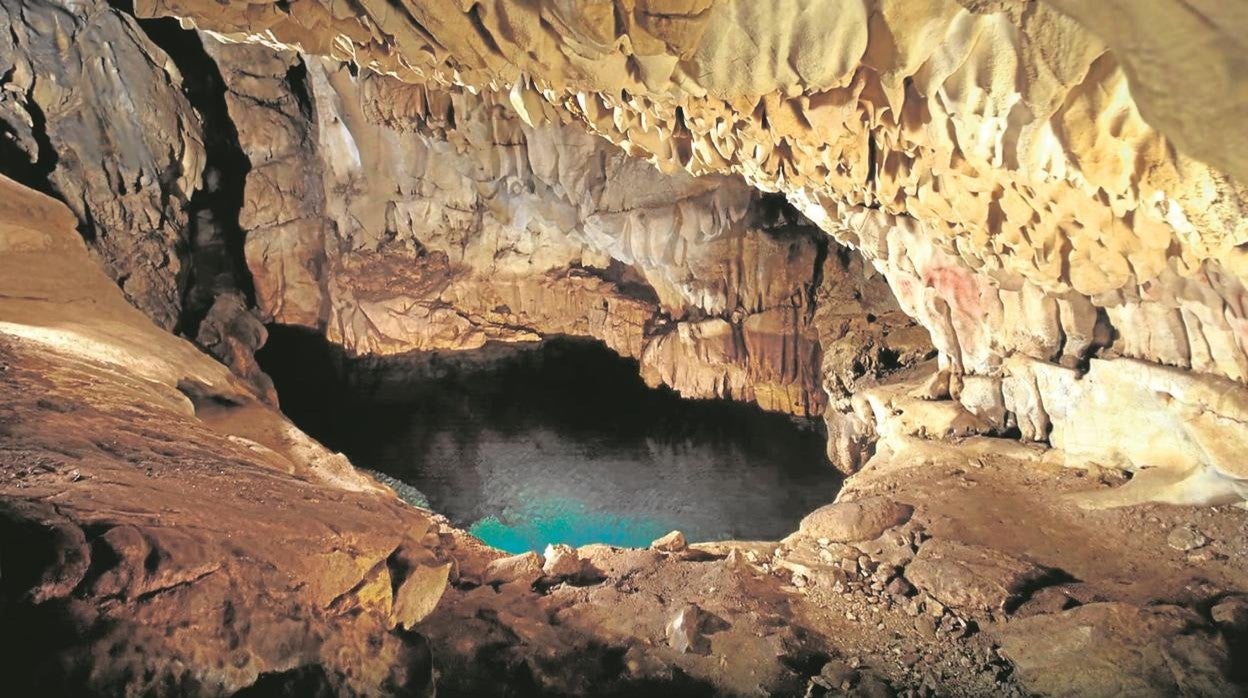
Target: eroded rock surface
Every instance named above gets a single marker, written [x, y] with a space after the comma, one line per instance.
[999, 163]
[402, 218]
[92, 110]
[163, 532]
[1044, 192]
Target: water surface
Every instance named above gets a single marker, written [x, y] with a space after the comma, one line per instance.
[560, 443]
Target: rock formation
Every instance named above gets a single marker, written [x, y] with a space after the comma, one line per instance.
[1012, 193]
[400, 218]
[162, 531]
[83, 84]
[929, 223]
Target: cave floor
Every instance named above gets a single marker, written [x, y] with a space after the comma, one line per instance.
[1116, 599]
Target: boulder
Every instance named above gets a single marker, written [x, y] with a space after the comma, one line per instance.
[1117, 649]
[973, 578]
[673, 542]
[864, 519]
[526, 568]
[562, 562]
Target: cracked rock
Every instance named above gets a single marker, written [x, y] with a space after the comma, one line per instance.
[972, 578]
[865, 519]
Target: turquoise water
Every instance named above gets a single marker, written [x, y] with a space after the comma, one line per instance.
[558, 444]
[536, 523]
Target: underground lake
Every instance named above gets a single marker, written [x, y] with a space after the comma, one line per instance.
[558, 442]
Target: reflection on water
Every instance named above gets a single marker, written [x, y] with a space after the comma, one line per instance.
[557, 444]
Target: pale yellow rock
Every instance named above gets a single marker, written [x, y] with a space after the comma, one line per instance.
[673, 542]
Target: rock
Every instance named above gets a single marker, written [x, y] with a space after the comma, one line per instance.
[1186, 538]
[1118, 649]
[972, 578]
[684, 631]
[562, 562]
[865, 519]
[736, 561]
[525, 568]
[900, 587]
[836, 674]
[1047, 600]
[1231, 614]
[415, 172]
[129, 181]
[673, 542]
[937, 242]
[1028, 212]
[418, 590]
[953, 625]
[159, 522]
[232, 333]
[872, 686]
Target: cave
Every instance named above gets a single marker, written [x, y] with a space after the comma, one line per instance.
[623, 348]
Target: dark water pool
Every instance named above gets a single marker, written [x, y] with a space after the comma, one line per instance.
[559, 443]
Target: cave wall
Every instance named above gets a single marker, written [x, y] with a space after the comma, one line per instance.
[489, 173]
[999, 162]
[400, 218]
[92, 111]
[397, 217]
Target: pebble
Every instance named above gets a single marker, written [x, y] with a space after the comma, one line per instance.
[836, 673]
[1186, 538]
[926, 627]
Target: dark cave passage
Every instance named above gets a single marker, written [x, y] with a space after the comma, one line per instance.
[555, 443]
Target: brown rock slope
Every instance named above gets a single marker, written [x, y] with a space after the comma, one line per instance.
[162, 532]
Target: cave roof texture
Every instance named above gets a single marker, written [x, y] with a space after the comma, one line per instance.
[1080, 146]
